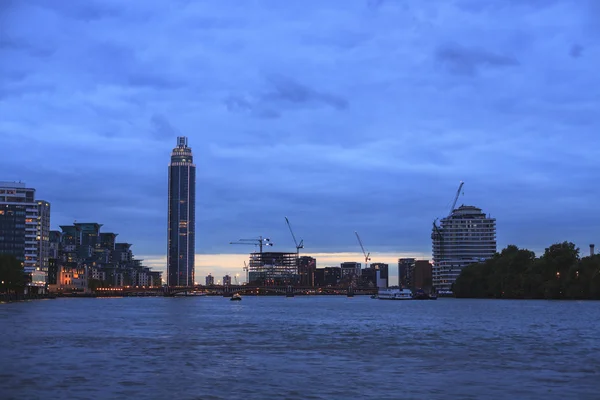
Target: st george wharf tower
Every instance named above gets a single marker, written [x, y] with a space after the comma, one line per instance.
[182, 216]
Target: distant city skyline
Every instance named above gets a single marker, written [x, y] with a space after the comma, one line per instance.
[343, 116]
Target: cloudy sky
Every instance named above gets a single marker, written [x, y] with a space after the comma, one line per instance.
[342, 115]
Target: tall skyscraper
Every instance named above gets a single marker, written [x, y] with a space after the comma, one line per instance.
[182, 216]
[465, 237]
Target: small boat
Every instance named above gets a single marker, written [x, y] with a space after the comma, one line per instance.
[421, 295]
[236, 297]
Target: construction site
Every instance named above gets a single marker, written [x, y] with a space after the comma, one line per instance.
[464, 236]
[269, 268]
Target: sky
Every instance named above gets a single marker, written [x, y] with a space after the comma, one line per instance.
[344, 116]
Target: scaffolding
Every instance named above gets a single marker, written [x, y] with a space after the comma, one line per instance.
[273, 268]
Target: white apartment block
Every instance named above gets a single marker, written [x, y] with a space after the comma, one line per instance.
[465, 237]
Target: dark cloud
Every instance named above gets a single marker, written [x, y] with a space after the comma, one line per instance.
[268, 114]
[156, 80]
[479, 6]
[12, 75]
[282, 93]
[89, 10]
[10, 43]
[238, 104]
[576, 51]
[375, 3]
[468, 61]
[256, 108]
[162, 127]
[289, 91]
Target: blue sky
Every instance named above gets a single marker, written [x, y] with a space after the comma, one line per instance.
[342, 115]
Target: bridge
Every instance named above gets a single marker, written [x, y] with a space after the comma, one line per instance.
[256, 290]
[230, 290]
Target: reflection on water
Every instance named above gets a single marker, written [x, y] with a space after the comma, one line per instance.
[322, 347]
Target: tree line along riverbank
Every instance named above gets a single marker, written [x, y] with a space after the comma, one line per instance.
[560, 273]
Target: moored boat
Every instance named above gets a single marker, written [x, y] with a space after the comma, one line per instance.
[421, 295]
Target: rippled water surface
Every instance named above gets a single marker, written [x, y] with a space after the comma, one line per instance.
[321, 347]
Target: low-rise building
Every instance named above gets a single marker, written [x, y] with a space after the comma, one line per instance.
[328, 276]
[70, 278]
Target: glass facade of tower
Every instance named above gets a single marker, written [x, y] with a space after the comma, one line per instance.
[182, 216]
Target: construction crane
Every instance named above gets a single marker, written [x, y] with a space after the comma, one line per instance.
[456, 197]
[437, 234]
[367, 259]
[298, 245]
[260, 242]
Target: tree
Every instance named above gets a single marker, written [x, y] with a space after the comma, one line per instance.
[516, 273]
[12, 276]
[555, 265]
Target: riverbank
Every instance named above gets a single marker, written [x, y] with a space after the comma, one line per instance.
[13, 297]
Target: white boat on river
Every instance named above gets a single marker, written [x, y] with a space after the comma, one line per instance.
[395, 294]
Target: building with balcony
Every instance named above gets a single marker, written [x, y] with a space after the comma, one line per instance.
[83, 252]
[465, 237]
[25, 229]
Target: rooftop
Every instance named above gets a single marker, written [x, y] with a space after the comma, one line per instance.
[20, 185]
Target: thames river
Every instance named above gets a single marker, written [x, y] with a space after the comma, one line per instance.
[319, 347]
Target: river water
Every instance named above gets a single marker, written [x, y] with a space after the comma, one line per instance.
[319, 347]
